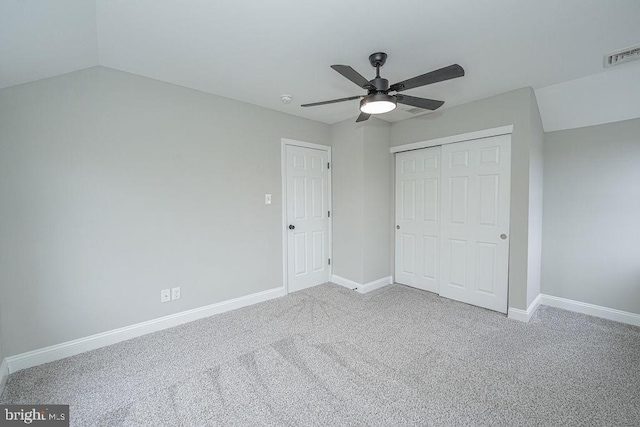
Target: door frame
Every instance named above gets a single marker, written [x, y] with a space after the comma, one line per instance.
[463, 137]
[285, 235]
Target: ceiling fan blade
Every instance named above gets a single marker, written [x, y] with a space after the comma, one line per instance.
[446, 73]
[333, 101]
[362, 117]
[427, 104]
[353, 75]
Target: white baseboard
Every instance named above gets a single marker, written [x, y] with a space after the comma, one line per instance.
[359, 287]
[376, 284]
[4, 375]
[591, 309]
[71, 348]
[350, 284]
[525, 315]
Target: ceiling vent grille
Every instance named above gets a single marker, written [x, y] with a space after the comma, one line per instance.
[622, 56]
[416, 110]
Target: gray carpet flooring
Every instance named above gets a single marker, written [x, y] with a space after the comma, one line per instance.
[330, 356]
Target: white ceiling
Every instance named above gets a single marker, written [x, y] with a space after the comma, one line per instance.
[254, 51]
[44, 38]
[592, 100]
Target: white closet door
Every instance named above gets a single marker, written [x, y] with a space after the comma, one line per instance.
[307, 215]
[475, 221]
[418, 218]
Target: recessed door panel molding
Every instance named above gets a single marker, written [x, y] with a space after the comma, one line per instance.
[318, 255]
[459, 198]
[409, 254]
[490, 156]
[299, 197]
[488, 187]
[418, 218]
[431, 163]
[431, 195]
[458, 159]
[300, 253]
[409, 200]
[317, 163]
[487, 257]
[457, 263]
[317, 197]
[475, 210]
[408, 166]
[306, 186]
[431, 249]
[299, 162]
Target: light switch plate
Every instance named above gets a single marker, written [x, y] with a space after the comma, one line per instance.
[267, 199]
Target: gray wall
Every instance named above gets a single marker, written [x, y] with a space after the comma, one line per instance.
[509, 108]
[115, 186]
[536, 185]
[347, 177]
[377, 198]
[591, 237]
[361, 198]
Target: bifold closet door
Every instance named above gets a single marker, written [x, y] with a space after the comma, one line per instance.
[475, 222]
[418, 218]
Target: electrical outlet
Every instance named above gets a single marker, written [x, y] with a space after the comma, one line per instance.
[165, 295]
[175, 293]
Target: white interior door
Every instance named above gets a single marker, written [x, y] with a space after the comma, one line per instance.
[475, 221]
[307, 210]
[418, 218]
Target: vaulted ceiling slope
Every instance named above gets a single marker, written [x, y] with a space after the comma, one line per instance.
[255, 51]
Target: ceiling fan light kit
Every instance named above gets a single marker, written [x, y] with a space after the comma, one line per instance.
[378, 100]
[378, 103]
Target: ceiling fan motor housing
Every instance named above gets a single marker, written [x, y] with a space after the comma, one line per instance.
[380, 84]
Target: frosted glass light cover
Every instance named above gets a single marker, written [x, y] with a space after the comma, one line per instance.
[377, 103]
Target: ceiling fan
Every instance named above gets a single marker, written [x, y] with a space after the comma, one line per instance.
[378, 100]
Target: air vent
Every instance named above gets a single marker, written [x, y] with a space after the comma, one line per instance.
[622, 56]
[416, 110]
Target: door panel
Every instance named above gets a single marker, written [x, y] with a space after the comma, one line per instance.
[475, 212]
[307, 201]
[418, 216]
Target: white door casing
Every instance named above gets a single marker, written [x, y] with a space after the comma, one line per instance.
[307, 206]
[418, 218]
[475, 221]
